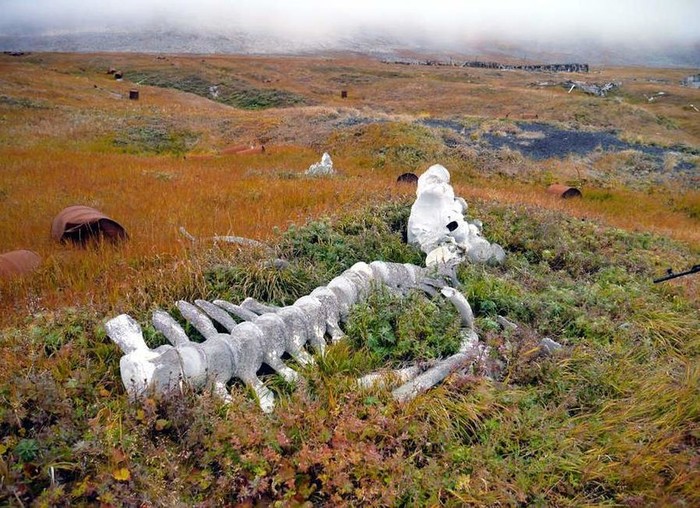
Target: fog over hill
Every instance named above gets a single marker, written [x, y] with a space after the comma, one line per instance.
[624, 32]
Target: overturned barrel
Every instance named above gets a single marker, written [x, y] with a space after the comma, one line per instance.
[80, 224]
[18, 262]
[410, 178]
[564, 191]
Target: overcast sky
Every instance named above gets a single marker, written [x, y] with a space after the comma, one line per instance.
[645, 21]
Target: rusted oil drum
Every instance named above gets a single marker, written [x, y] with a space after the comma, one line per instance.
[408, 178]
[564, 191]
[80, 224]
[18, 262]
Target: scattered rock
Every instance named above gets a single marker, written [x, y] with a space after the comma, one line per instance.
[505, 324]
[549, 346]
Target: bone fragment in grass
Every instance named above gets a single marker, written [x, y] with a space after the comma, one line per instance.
[382, 378]
[435, 375]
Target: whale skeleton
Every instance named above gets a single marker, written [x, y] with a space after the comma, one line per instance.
[266, 333]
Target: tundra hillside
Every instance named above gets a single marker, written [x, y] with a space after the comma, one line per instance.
[611, 418]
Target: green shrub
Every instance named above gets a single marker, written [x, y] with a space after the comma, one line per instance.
[400, 329]
[334, 246]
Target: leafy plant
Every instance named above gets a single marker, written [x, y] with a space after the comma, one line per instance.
[401, 329]
[27, 450]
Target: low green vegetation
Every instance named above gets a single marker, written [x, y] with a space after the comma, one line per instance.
[228, 90]
[398, 329]
[391, 145]
[22, 102]
[155, 138]
[610, 419]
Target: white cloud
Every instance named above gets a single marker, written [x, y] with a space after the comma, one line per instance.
[643, 20]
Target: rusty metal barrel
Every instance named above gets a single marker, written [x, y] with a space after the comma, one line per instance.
[79, 224]
[18, 262]
[409, 178]
[564, 191]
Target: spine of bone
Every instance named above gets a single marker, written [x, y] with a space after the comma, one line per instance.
[268, 332]
[331, 307]
[275, 344]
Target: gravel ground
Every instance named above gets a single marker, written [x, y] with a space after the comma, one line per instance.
[540, 141]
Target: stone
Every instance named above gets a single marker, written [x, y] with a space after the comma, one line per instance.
[505, 324]
[549, 346]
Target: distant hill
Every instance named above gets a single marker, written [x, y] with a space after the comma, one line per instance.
[178, 41]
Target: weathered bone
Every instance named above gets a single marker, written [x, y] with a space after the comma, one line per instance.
[266, 338]
[315, 318]
[294, 319]
[198, 364]
[238, 240]
[246, 348]
[236, 310]
[438, 227]
[217, 314]
[168, 326]
[380, 379]
[462, 305]
[331, 310]
[274, 344]
[258, 308]
[198, 319]
[432, 376]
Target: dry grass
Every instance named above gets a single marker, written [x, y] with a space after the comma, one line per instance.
[610, 420]
[68, 135]
[663, 212]
[152, 197]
